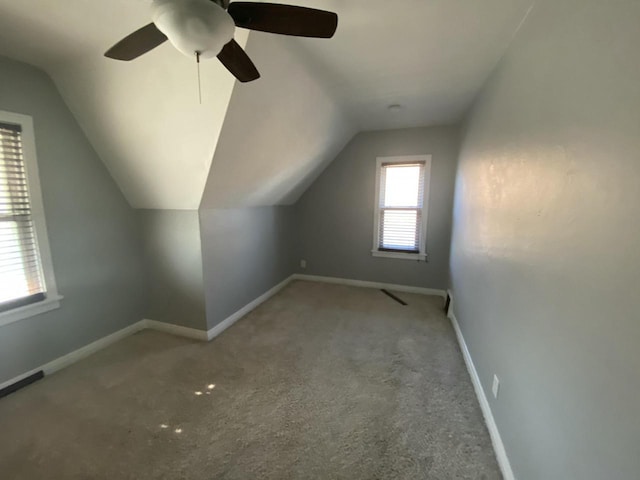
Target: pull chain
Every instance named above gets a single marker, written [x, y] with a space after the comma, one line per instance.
[199, 84]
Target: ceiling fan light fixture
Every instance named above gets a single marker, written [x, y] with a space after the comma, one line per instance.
[205, 28]
[194, 26]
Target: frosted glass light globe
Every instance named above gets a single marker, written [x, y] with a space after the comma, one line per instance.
[194, 25]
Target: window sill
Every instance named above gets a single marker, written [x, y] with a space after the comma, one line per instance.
[416, 257]
[20, 313]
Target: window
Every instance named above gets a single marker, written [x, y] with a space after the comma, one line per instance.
[402, 189]
[27, 284]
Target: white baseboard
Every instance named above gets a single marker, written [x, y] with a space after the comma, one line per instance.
[219, 328]
[68, 359]
[173, 329]
[366, 284]
[72, 357]
[496, 439]
[233, 318]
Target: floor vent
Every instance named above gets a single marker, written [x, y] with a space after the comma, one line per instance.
[14, 387]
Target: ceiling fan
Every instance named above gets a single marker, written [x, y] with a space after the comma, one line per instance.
[204, 29]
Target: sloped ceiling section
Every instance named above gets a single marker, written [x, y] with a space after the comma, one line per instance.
[280, 131]
[429, 56]
[142, 117]
[144, 120]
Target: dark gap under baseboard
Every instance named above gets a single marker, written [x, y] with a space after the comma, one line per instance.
[447, 303]
[14, 387]
[388, 293]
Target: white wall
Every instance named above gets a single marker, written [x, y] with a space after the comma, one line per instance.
[280, 131]
[545, 263]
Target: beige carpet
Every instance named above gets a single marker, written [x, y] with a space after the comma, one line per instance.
[321, 382]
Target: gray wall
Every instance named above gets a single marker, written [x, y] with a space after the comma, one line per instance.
[246, 252]
[92, 233]
[335, 216]
[545, 260]
[173, 257]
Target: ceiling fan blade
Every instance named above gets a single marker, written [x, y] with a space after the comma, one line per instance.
[139, 42]
[238, 62]
[284, 19]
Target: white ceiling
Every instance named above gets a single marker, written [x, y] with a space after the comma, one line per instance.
[430, 56]
[143, 119]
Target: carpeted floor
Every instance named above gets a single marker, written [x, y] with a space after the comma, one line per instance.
[321, 382]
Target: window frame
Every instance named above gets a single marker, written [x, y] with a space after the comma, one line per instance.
[421, 255]
[52, 297]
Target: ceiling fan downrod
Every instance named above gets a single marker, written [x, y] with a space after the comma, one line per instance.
[199, 82]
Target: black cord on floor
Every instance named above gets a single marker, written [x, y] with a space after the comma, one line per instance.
[399, 300]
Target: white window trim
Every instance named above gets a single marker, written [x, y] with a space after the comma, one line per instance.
[37, 214]
[422, 255]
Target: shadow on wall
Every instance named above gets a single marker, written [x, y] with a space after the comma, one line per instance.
[173, 257]
[246, 252]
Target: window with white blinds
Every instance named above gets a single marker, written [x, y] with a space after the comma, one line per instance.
[21, 278]
[400, 223]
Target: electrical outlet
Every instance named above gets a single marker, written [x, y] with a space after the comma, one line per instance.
[496, 386]
[303, 264]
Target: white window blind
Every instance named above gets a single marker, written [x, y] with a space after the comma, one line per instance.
[401, 199]
[21, 279]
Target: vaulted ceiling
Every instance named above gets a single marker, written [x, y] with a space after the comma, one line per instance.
[270, 138]
[428, 56]
[142, 117]
[279, 133]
